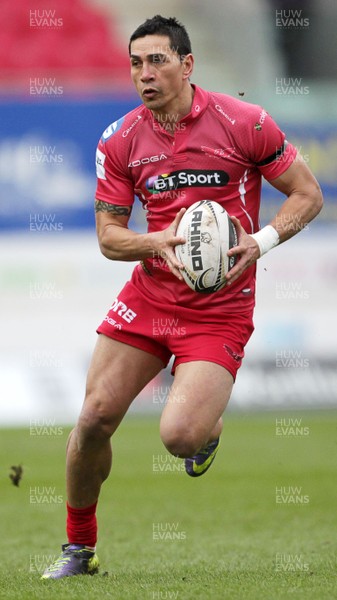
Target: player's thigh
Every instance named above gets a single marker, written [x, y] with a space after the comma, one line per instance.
[117, 373]
[197, 399]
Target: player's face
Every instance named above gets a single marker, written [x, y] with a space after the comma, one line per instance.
[158, 72]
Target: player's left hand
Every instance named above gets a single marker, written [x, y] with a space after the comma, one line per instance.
[247, 252]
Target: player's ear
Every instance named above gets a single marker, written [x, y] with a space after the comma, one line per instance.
[188, 64]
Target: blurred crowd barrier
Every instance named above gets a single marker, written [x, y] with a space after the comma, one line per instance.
[56, 288]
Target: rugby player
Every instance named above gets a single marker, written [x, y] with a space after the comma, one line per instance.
[182, 144]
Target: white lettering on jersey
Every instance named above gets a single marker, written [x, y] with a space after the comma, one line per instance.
[263, 116]
[127, 131]
[219, 109]
[123, 311]
[146, 160]
[220, 152]
[100, 159]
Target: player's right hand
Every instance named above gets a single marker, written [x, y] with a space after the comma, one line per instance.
[247, 251]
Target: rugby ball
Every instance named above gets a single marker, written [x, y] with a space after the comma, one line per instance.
[209, 234]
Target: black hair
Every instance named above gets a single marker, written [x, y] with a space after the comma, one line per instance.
[158, 25]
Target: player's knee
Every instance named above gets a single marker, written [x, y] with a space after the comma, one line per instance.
[99, 418]
[94, 423]
[180, 441]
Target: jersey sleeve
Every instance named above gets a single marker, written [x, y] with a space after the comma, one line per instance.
[271, 153]
[113, 183]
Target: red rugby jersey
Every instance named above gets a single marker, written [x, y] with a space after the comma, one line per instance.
[219, 152]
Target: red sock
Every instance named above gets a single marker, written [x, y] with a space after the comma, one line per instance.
[82, 525]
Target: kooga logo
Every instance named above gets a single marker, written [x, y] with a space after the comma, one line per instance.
[188, 178]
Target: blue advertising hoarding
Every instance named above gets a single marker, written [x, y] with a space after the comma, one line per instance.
[47, 162]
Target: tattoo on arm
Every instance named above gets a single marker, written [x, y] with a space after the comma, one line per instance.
[113, 209]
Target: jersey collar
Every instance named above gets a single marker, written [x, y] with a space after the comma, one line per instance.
[199, 104]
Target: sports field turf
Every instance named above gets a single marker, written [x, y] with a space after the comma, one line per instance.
[260, 525]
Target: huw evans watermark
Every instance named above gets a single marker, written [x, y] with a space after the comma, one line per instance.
[291, 495]
[291, 86]
[167, 327]
[44, 154]
[167, 532]
[290, 428]
[161, 393]
[44, 427]
[165, 463]
[161, 595]
[291, 19]
[290, 563]
[47, 290]
[291, 290]
[291, 359]
[43, 222]
[45, 86]
[44, 359]
[44, 495]
[38, 563]
[44, 19]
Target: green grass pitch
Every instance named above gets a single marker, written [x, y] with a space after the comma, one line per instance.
[260, 525]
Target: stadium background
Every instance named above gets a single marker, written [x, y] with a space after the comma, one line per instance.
[64, 78]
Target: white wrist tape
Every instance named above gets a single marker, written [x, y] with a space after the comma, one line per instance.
[267, 238]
